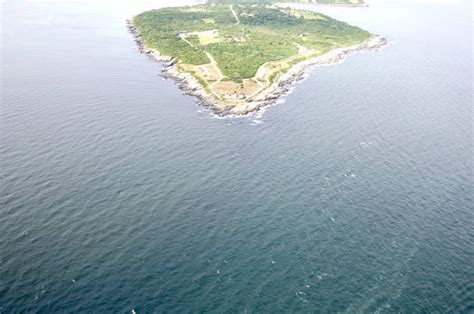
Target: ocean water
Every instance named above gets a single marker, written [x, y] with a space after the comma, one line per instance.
[118, 192]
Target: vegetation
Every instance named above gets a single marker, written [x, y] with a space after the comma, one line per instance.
[261, 34]
[342, 2]
[236, 51]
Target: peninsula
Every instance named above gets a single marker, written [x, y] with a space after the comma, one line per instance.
[353, 3]
[239, 58]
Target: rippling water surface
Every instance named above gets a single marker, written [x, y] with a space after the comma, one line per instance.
[120, 193]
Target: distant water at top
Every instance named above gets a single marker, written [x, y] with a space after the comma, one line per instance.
[118, 192]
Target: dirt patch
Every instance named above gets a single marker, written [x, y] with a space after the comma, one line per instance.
[207, 72]
[209, 21]
[205, 37]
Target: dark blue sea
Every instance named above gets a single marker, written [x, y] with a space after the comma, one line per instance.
[354, 194]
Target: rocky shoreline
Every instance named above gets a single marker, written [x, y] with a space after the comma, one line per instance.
[186, 81]
[267, 96]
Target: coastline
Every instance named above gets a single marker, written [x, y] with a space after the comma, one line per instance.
[269, 95]
[339, 5]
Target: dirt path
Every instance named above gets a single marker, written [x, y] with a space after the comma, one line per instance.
[183, 37]
[221, 75]
[214, 64]
[262, 72]
[235, 14]
[209, 56]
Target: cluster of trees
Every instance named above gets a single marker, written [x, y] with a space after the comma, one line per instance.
[240, 60]
[260, 15]
[240, 1]
[160, 30]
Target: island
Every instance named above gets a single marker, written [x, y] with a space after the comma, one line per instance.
[238, 58]
[352, 3]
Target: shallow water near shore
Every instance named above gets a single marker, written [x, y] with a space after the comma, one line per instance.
[352, 194]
